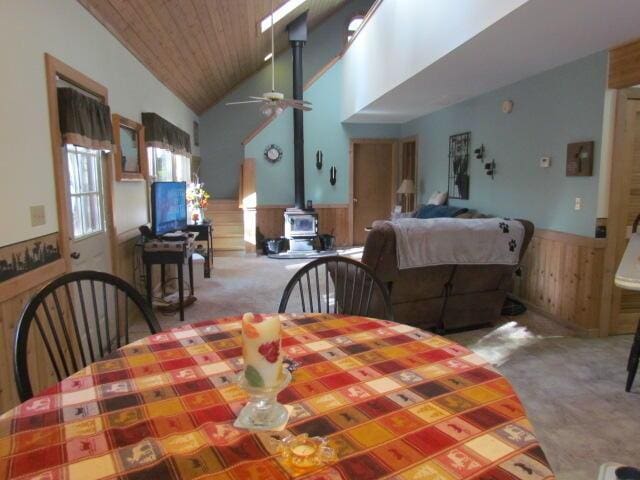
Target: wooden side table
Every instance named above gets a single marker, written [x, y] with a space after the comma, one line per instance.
[169, 257]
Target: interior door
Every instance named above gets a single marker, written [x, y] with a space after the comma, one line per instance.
[89, 237]
[372, 186]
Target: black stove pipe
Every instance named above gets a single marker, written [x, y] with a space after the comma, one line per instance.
[297, 38]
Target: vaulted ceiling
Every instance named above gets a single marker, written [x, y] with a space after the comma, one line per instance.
[200, 49]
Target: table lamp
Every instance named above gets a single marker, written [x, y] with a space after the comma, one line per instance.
[628, 278]
[407, 187]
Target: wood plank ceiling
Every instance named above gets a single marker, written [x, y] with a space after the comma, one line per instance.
[200, 49]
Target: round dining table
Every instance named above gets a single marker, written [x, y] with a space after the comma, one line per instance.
[392, 400]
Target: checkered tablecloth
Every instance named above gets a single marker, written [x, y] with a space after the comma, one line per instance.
[395, 402]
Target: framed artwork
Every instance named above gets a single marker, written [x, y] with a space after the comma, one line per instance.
[459, 165]
[130, 156]
[580, 159]
[196, 134]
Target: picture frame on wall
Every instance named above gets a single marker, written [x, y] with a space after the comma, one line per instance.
[196, 134]
[458, 186]
[130, 154]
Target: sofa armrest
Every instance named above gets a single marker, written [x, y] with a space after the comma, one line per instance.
[380, 251]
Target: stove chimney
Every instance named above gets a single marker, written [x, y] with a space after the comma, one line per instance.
[297, 38]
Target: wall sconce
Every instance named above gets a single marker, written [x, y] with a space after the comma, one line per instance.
[319, 157]
[490, 168]
[333, 175]
[479, 152]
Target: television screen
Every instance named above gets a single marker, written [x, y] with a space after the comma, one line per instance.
[168, 206]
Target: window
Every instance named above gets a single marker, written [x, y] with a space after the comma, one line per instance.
[85, 190]
[354, 25]
[165, 166]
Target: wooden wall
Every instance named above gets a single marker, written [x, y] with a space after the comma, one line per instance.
[14, 294]
[624, 65]
[331, 219]
[562, 278]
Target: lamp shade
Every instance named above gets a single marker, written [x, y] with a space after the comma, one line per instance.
[407, 186]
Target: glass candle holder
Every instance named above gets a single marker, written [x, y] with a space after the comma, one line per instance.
[262, 411]
[302, 452]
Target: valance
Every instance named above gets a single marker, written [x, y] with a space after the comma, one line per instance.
[84, 121]
[160, 133]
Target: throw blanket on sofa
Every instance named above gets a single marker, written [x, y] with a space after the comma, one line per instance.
[451, 241]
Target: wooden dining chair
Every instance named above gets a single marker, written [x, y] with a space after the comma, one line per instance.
[77, 319]
[337, 285]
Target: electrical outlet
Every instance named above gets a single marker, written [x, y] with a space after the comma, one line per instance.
[578, 204]
[545, 162]
[37, 215]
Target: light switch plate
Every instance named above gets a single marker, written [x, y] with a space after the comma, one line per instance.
[545, 162]
[578, 204]
[37, 215]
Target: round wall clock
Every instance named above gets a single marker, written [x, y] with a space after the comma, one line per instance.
[272, 153]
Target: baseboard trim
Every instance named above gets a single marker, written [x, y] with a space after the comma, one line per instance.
[580, 331]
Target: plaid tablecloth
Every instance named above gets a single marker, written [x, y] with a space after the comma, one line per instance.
[395, 402]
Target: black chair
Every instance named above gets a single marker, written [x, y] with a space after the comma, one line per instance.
[337, 285]
[80, 317]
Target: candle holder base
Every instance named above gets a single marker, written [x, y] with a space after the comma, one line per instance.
[262, 411]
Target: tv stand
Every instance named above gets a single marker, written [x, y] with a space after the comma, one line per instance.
[158, 252]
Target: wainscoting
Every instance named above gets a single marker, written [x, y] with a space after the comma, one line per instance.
[11, 305]
[562, 278]
[332, 219]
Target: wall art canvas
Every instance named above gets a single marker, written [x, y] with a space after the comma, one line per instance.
[459, 165]
[22, 257]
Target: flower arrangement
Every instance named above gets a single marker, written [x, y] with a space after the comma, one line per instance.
[197, 196]
[197, 199]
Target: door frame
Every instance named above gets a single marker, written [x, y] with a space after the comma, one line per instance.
[56, 68]
[416, 140]
[394, 175]
[619, 185]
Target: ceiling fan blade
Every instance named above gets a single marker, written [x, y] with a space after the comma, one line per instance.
[297, 104]
[304, 108]
[242, 103]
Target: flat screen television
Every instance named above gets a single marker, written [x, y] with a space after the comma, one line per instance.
[168, 207]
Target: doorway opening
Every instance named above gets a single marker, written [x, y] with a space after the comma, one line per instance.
[83, 180]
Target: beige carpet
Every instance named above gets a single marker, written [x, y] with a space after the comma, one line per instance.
[572, 388]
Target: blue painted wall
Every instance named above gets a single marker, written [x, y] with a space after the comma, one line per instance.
[552, 109]
[223, 128]
[322, 131]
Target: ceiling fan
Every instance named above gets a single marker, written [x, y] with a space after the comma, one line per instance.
[274, 103]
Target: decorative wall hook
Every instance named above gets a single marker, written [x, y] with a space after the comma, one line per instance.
[319, 157]
[333, 175]
[490, 168]
[479, 152]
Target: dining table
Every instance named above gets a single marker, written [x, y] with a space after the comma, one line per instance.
[393, 401]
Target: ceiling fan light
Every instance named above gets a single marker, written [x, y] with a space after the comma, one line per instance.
[278, 110]
[266, 110]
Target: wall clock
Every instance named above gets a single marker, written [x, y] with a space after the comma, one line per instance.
[272, 153]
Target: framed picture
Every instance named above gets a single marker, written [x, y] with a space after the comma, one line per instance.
[196, 134]
[459, 165]
[130, 155]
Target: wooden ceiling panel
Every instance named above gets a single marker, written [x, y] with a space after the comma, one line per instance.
[200, 49]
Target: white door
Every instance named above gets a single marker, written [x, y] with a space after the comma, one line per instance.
[88, 235]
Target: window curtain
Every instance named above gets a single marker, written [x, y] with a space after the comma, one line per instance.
[160, 133]
[84, 121]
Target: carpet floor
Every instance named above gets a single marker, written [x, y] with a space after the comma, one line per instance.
[572, 388]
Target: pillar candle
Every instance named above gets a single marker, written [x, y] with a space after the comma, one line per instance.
[261, 350]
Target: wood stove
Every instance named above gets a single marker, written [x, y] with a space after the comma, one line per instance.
[301, 229]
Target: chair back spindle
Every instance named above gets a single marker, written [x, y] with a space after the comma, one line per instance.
[79, 318]
[337, 285]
